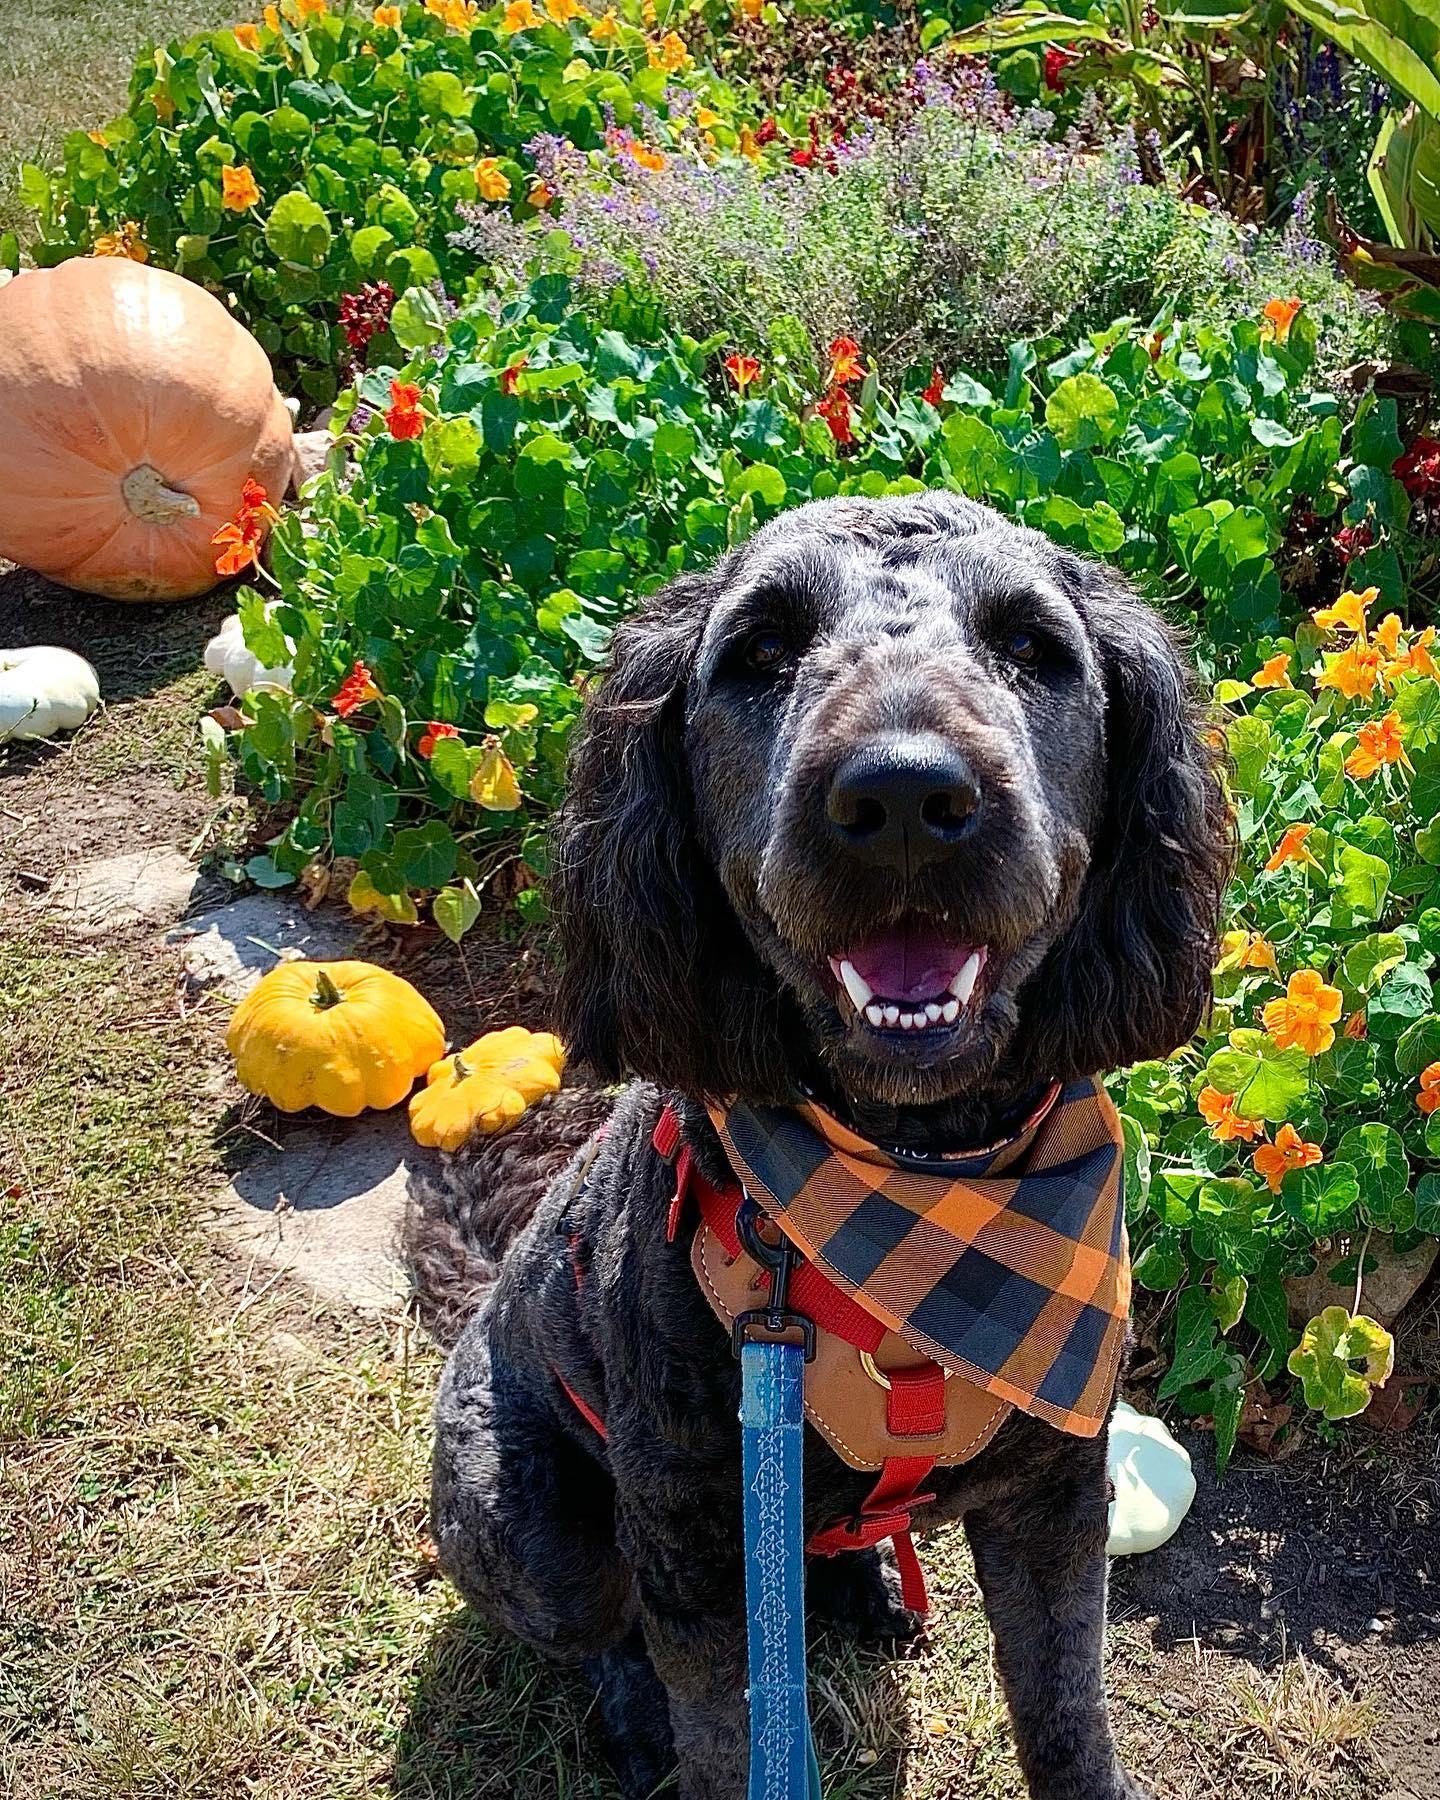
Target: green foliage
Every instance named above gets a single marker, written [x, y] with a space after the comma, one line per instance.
[362, 140]
[570, 465]
[1302, 1113]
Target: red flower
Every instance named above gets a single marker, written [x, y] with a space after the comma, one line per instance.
[1350, 540]
[935, 393]
[834, 409]
[240, 539]
[1419, 467]
[432, 734]
[511, 376]
[742, 370]
[766, 131]
[356, 690]
[403, 417]
[803, 158]
[1057, 60]
[845, 362]
[365, 313]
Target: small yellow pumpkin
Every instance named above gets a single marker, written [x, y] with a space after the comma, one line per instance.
[486, 1086]
[341, 1036]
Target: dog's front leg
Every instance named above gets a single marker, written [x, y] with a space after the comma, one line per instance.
[690, 1578]
[1041, 1567]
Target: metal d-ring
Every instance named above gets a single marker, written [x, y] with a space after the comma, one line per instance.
[878, 1375]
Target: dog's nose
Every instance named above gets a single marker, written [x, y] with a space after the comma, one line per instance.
[903, 801]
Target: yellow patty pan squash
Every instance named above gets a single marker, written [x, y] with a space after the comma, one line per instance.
[487, 1086]
[341, 1036]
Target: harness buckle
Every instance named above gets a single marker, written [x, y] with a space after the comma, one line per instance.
[774, 1322]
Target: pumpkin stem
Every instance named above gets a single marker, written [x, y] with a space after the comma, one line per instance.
[459, 1068]
[326, 993]
[153, 501]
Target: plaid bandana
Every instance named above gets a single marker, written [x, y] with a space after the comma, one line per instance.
[1008, 1265]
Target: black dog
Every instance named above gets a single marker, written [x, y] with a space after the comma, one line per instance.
[892, 729]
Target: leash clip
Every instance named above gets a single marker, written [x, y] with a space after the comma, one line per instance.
[774, 1322]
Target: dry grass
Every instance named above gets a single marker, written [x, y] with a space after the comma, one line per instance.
[65, 63]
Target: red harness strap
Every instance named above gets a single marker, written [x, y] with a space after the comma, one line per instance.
[915, 1401]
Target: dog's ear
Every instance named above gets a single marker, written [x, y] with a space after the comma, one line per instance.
[1130, 978]
[656, 979]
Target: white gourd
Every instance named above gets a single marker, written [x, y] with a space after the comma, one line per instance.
[1154, 1483]
[44, 689]
[226, 656]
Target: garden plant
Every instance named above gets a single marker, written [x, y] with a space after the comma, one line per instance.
[594, 290]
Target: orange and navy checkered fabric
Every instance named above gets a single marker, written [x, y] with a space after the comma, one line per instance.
[1008, 1265]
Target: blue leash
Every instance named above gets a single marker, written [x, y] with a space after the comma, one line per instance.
[772, 1420]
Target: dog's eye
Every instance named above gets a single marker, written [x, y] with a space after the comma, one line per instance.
[1025, 648]
[765, 651]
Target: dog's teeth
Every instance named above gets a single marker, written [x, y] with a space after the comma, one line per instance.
[963, 986]
[874, 1014]
[950, 1012]
[932, 1012]
[856, 986]
[907, 1021]
[892, 1014]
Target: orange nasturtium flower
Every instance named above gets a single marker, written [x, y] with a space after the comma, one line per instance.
[1279, 316]
[239, 540]
[1357, 1025]
[1248, 950]
[1305, 1018]
[431, 736]
[742, 370]
[1387, 635]
[1289, 1151]
[563, 11]
[271, 16]
[934, 389]
[749, 147]
[844, 362]
[238, 188]
[1218, 1112]
[520, 15]
[1417, 660]
[1354, 672]
[403, 417]
[645, 156]
[541, 195]
[491, 180]
[311, 9]
[1348, 613]
[606, 26]
[248, 37]
[388, 17]
[751, 8]
[510, 375]
[1274, 672]
[127, 241]
[1291, 848]
[670, 54]
[1428, 1099]
[356, 690]
[1379, 743]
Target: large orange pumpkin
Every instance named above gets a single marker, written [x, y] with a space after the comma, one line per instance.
[134, 408]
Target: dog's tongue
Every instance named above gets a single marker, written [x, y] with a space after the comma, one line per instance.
[909, 962]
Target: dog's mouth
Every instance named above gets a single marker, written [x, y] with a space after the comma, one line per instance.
[911, 981]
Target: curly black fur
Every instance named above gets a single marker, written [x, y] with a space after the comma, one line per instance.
[701, 895]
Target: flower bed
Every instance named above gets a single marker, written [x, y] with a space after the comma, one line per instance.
[593, 307]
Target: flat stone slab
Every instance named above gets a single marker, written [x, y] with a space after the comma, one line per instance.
[115, 893]
[233, 946]
[328, 1207]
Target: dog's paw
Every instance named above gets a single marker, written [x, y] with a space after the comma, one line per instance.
[858, 1594]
